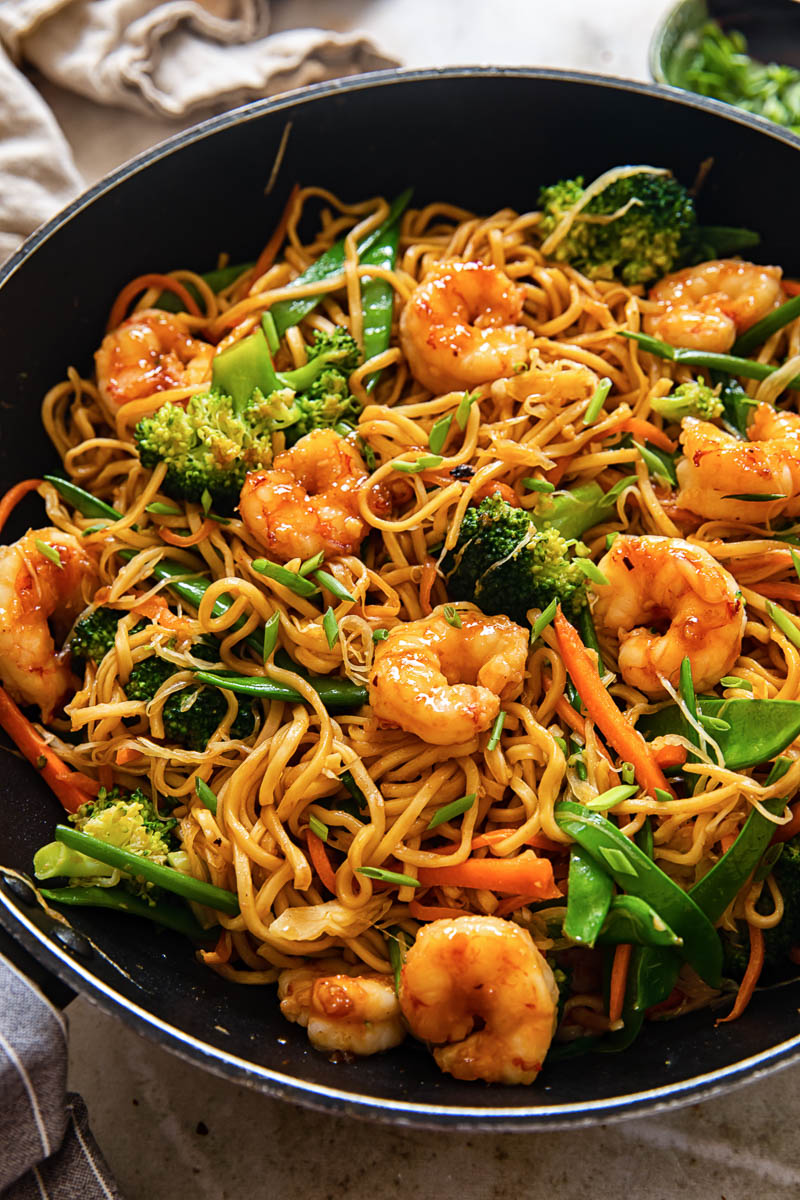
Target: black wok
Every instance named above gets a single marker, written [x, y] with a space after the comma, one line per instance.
[481, 138]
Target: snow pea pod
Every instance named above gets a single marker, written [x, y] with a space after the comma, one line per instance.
[759, 729]
[637, 875]
[716, 890]
[637, 922]
[589, 892]
[172, 916]
[377, 297]
[86, 504]
[573, 512]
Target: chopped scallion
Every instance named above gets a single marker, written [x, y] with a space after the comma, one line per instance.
[628, 774]
[497, 729]
[48, 551]
[756, 497]
[331, 627]
[388, 876]
[591, 571]
[425, 462]
[289, 579]
[454, 809]
[617, 860]
[462, 412]
[326, 580]
[271, 635]
[316, 826]
[611, 798]
[597, 401]
[538, 485]
[311, 564]
[380, 635]
[159, 509]
[451, 615]
[205, 794]
[784, 623]
[662, 796]
[543, 620]
[438, 434]
[733, 681]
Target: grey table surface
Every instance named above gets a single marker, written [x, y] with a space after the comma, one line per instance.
[171, 1130]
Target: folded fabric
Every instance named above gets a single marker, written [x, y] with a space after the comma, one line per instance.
[172, 59]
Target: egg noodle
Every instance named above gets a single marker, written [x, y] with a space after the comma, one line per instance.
[302, 898]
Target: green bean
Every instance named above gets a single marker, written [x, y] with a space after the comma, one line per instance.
[758, 729]
[144, 868]
[728, 364]
[638, 875]
[757, 334]
[589, 892]
[634, 921]
[333, 692]
[173, 916]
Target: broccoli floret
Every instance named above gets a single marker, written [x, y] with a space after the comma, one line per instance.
[693, 399]
[211, 444]
[191, 715]
[94, 634]
[784, 936]
[505, 565]
[647, 226]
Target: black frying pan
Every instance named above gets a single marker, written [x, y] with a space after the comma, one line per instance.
[481, 138]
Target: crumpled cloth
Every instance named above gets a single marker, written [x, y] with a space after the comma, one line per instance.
[171, 59]
[46, 1148]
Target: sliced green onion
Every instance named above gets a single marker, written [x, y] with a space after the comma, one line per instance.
[784, 623]
[597, 401]
[290, 579]
[398, 947]
[715, 723]
[611, 538]
[388, 876]
[591, 570]
[93, 529]
[316, 826]
[439, 432]
[206, 500]
[380, 635]
[271, 635]
[451, 615]
[538, 485]
[454, 809]
[48, 551]
[162, 510]
[462, 412]
[617, 860]
[326, 580]
[331, 627]
[611, 798]
[270, 332]
[778, 770]
[205, 794]
[311, 564]
[497, 729]
[756, 497]
[733, 681]
[628, 772]
[424, 463]
[664, 797]
[367, 453]
[560, 742]
[543, 620]
[653, 463]
[686, 687]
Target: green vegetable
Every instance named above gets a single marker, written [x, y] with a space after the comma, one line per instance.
[271, 635]
[54, 861]
[318, 827]
[589, 638]
[438, 434]
[149, 871]
[388, 876]
[335, 693]
[658, 462]
[326, 580]
[292, 580]
[94, 635]
[631, 920]
[544, 619]
[573, 512]
[538, 485]
[191, 716]
[589, 892]
[642, 878]
[693, 399]
[161, 912]
[504, 564]
[205, 795]
[330, 266]
[757, 334]
[497, 729]
[83, 501]
[331, 628]
[454, 809]
[597, 401]
[398, 948]
[784, 622]
[425, 462]
[638, 228]
[611, 798]
[377, 297]
[758, 729]
[726, 364]
[736, 404]
[715, 891]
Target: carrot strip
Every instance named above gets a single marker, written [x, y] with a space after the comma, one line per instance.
[320, 860]
[270, 252]
[13, 496]
[433, 912]
[576, 722]
[612, 723]
[513, 903]
[537, 839]
[727, 841]
[791, 287]
[619, 981]
[221, 952]
[496, 488]
[426, 582]
[670, 755]
[190, 539]
[785, 833]
[644, 431]
[70, 786]
[524, 874]
[751, 976]
[156, 609]
[127, 754]
[105, 776]
[141, 283]
[556, 473]
[779, 591]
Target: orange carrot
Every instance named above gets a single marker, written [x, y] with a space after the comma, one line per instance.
[612, 723]
[536, 839]
[791, 287]
[619, 981]
[71, 787]
[779, 591]
[556, 473]
[727, 841]
[127, 754]
[644, 431]
[513, 903]
[785, 833]
[751, 976]
[141, 283]
[433, 912]
[495, 488]
[524, 874]
[426, 582]
[13, 496]
[270, 252]
[105, 776]
[157, 609]
[576, 722]
[320, 861]
[221, 952]
[190, 539]
[670, 755]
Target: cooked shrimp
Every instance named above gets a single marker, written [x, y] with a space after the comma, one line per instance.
[706, 306]
[716, 468]
[35, 588]
[308, 500]
[459, 328]
[480, 971]
[147, 353]
[660, 580]
[359, 1014]
[445, 684]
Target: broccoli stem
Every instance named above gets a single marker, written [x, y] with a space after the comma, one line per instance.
[54, 860]
[144, 868]
[172, 916]
[728, 364]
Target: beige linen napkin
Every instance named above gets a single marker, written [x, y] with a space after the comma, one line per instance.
[170, 59]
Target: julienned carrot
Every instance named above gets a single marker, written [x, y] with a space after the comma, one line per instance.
[270, 252]
[755, 964]
[670, 755]
[141, 283]
[785, 833]
[512, 904]
[779, 591]
[496, 488]
[221, 952]
[127, 754]
[556, 473]
[13, 496]
[612, 723]
[426, 581]
[70, 787]
[320, 861]
[576, 722]
[433, 912]
[189, 539]
[538, 840]
[645, 431]
[157, 609]
[619, 981]
[791, 287]
[525, 874]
